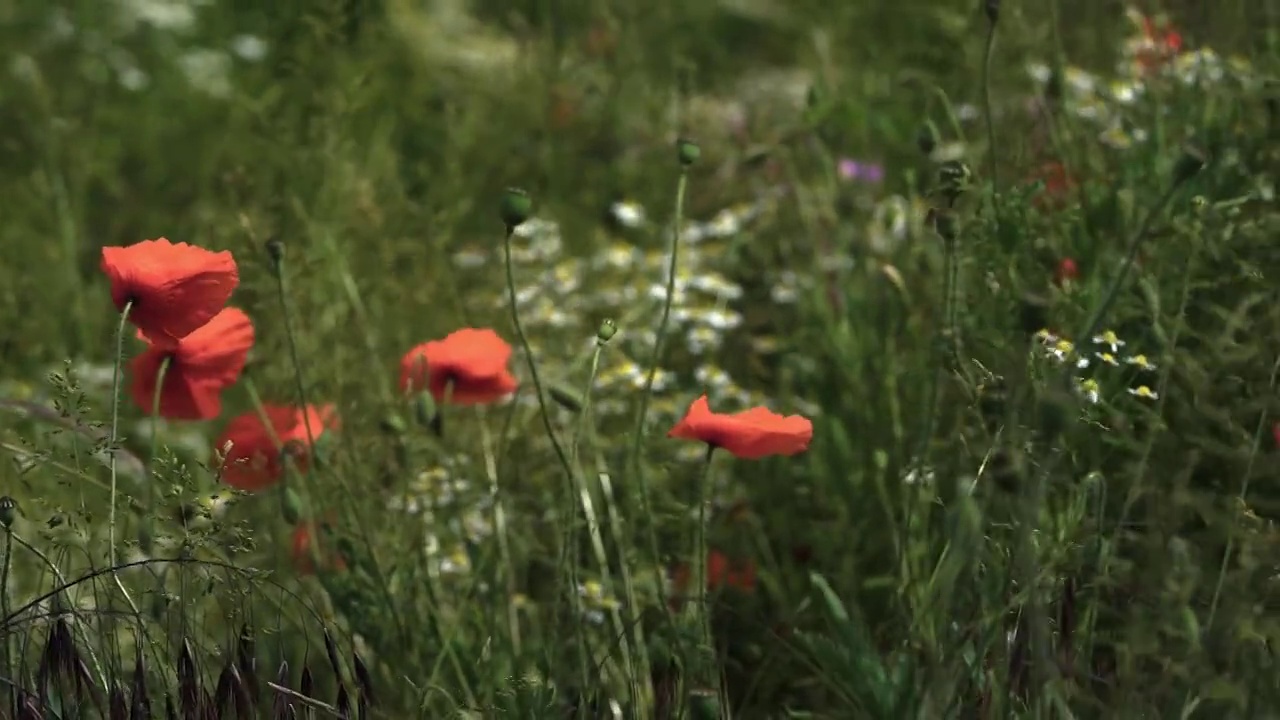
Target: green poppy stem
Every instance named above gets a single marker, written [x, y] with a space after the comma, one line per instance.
[114, 435]
[149, 520]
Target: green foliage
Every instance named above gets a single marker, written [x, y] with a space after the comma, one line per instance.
[1025, 289]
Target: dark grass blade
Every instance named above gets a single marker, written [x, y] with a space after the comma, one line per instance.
[364, 680]
[280, 704]
[188, 683]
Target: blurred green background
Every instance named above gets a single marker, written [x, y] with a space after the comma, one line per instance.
[952, 491]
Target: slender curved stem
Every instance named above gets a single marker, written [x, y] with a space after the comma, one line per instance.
[114, 436]
[161, 374]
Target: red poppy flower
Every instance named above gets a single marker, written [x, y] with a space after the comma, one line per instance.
[175, 288]
[303, 535]
[1065, 272]
[1058, 186]
[750, 434]
[1275, 432]
[1160, 41]
[254, 461]
[721, 573]
[471, 363]
[200, 367]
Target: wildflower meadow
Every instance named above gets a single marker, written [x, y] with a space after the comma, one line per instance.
[751, 359]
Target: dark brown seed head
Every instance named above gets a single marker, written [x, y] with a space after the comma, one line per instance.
[188, 684]
[331, 650]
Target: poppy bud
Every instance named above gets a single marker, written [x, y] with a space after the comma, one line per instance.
[393, 424]
[608, 329]
[944, 223]
[565, 398]
[1200, 204]
[8, 511]
[1190, 163]
[516, 207]
[290, 506]
[424, 408]
[992, 8]
[927, 138]
[687, 151]
[275, 253]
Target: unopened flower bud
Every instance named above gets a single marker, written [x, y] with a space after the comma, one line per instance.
[275, 253]
[565, 398]
[393, 424]
[608, 329]
[290, 506]
[516, 207]
[8, 511]
[687, 151]
[992, 9]
[945, 224]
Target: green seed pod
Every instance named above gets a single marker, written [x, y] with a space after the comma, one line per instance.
[687, 151]
[290, 506]
[608, 329]
[8, 511]
[516, 207]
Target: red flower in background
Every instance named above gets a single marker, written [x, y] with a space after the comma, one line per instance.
[1065, 272]
[304, 535]
[750, 434]
[175, 288]
[254, 461]
[1159, 41]
[201, 366]
[721, 573]
[471, 364]
[1275, 433]
[1058, 186]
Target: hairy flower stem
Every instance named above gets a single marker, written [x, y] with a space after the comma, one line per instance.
[149, 521]
[113, 438]
[570, 504]
[635, 463]
[699, 561]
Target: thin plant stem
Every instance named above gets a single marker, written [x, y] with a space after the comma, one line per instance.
[161, 374]
[987, 53]
[528, 353]
[282, 293]
[699, 560]
[500, 528]
[4, 606]
[593, 521]
[114, 437]
[555, 444]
